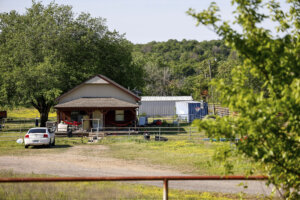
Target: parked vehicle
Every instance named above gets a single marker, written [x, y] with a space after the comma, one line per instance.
[156, 122]
[39, 137]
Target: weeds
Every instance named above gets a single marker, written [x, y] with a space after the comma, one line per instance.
[99, 190]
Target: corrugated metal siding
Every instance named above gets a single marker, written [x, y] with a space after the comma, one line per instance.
[160, 105]
[162, 108]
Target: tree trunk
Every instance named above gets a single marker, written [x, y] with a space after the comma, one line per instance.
[43, 109]
[44, 112]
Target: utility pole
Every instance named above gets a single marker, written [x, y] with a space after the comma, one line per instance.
[164, 82]
[212, 94]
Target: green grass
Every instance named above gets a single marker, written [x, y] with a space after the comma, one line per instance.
[98, 190]
[188, 156]
[13, 148]
[180, 154]
[26, 113]
[20, 126]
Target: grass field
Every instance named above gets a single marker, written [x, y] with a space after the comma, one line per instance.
[188, 156]
[26, 113]
[182, 152]
[13, 148]
[21, 119]
[181, 155]
[99, 190]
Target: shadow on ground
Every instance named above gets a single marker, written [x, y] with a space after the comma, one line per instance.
[57, 146]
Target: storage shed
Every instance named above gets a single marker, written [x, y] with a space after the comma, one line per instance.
[160, 105]
[190, 110]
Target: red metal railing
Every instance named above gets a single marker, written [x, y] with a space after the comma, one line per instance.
[165, 179]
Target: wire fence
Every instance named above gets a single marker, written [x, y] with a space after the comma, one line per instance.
[168, 128]
[171, 133]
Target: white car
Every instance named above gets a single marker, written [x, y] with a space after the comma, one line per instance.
[39, 136]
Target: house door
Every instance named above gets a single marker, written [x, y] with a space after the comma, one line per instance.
[86, 122]
[97, 119]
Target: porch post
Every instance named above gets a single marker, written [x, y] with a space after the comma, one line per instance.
[135, 118]
[58, 115]
[104, 112]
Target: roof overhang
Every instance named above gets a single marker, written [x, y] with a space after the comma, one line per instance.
[96, 103]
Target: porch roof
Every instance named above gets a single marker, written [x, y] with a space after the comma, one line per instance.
[86, 102]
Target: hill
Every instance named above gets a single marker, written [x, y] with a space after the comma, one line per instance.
[182, 67]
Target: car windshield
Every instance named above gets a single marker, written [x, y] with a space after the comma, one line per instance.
[37, 131]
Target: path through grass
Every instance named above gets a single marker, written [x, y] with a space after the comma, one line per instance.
[188, 156]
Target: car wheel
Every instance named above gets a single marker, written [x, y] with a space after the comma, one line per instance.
[53, 143]
[26, 146]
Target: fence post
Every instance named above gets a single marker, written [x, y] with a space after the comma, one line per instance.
[166, 190]
[128, 132]
[159, 133]
[20, 127]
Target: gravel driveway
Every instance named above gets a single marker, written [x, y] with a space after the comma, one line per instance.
[76, 162]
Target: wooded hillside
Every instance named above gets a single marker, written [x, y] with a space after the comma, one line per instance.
[182, 67]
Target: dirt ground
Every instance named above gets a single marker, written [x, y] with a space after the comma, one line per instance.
[91, 160]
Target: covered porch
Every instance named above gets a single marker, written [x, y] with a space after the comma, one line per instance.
[97, 113]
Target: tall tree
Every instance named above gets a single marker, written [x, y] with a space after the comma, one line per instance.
[269, 118]
[47, 51]
[173, 67]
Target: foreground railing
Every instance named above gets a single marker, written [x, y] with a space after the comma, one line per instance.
[165, 179]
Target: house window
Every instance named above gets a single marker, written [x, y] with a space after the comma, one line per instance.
[74, 115]
[119, 115]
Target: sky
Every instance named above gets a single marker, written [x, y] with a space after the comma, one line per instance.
[141, 21]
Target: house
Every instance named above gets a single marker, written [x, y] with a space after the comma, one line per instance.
[98, 102]
[160, 105]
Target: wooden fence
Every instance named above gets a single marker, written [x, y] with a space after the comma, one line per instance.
[219, 110]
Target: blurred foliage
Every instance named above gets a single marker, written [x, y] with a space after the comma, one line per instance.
[267, 118]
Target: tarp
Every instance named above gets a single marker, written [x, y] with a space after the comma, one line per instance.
[190, 110]
[74, 123]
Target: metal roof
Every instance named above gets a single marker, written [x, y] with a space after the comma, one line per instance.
[167, 98]
[96, 103]
[189, 102]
